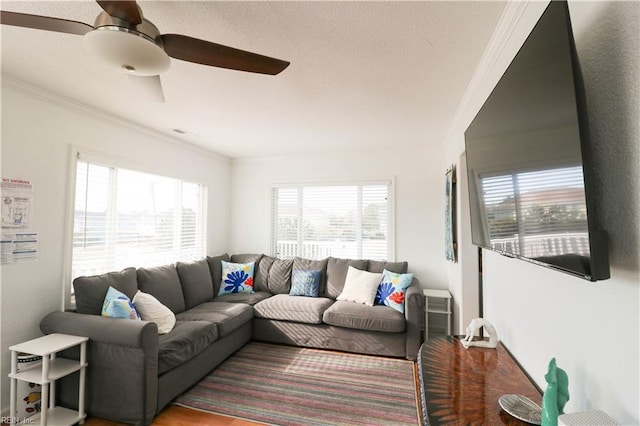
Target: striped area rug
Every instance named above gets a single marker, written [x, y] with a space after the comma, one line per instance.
[283, 385]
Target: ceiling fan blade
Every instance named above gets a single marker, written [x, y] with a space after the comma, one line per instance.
[127, 10]
[44, 23]
[147, 87]
[216, 55]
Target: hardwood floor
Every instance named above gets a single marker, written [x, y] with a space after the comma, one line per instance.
[175, 415]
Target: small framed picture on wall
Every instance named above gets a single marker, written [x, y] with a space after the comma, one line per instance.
[450, 242]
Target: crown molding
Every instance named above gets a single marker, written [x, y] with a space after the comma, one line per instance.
[57, 99]
[516, 22]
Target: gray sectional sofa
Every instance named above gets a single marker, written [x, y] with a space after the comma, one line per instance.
[134, 372]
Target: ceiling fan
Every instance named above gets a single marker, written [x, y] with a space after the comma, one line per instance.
[121, 37]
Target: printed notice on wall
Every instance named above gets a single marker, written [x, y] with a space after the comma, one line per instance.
[19, 247]
[18, 243]
[17, 203]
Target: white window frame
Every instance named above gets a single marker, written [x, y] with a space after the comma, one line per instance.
[390, 181]
[75, 155]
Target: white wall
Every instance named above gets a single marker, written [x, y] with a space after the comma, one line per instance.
[37, 132]
[593, 329]
[419, 200]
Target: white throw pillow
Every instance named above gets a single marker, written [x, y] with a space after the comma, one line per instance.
[360, 286]
[150, 309]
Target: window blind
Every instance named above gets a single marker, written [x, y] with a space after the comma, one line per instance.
[128, 218]
[346, 221]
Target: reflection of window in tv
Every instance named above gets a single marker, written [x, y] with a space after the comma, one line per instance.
[538, 213]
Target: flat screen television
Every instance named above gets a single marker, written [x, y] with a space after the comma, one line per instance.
[527, 153]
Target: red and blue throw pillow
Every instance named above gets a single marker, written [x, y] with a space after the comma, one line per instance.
[236, 278]
[391, 291]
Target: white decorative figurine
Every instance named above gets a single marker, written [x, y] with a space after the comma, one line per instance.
[475, 325]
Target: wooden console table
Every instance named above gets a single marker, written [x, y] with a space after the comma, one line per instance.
[462, 386]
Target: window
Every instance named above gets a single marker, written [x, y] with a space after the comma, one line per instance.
[127, 218]
[346, 221]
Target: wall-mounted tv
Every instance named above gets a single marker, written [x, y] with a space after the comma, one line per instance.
[528, 163]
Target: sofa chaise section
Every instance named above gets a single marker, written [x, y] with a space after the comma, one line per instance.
[134, 371]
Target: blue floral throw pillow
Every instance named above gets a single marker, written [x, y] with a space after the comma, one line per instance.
[118, 305]
[392, 289]
[305, 283]
[236, 278]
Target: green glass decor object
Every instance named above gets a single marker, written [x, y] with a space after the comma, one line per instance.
[556, 395]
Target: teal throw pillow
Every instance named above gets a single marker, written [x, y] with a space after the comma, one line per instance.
[391, 291]
[236, 278]
[305, 283]
[118, 305]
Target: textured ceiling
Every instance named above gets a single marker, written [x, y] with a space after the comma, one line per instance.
[363, 75]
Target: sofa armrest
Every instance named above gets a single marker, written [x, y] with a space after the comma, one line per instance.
[414, 315]
[100, 329]
[122, 371]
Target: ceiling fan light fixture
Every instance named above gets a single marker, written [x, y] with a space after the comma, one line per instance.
[127, 50]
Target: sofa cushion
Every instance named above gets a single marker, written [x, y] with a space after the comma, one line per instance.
[363, 317]
[337, 273]
[280, 276]
[215, 267]
[305, 283]
[261, 281]
[392, 289]
[163, 283]
[313, 265]
[237, 278]
[118, 305]
[91, 291]
[195, 278]
[151, 309]
[186, 340]
[291, 308]
[226, 316]
[360, 286]
[246, 258]
[378, 266]
[248, 298]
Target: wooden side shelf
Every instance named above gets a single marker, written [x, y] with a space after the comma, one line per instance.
[462, 386]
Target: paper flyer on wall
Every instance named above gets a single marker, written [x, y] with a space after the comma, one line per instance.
[17, 203]
[18, 243]
[19, 247]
